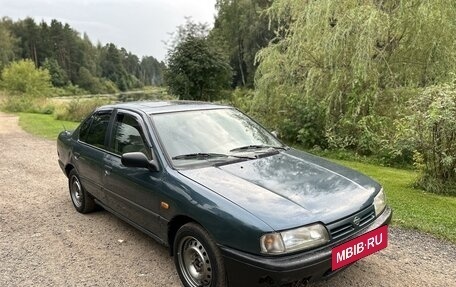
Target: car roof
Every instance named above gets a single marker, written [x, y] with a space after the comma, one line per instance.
[159, 107]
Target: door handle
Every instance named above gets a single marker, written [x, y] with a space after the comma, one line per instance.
[76, 155]
[107, 170]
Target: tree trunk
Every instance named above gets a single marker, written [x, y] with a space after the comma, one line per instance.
[241, 60]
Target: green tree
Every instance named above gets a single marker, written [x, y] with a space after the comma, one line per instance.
[90, 56]
[8, 44]
[151, 71]
[196, 70]
[355, 62]
[28, 33]
[23, 78]
[130, 62]
[59, 77]
[112, 67]
[88, 82]
[430, 128]
[241, 29]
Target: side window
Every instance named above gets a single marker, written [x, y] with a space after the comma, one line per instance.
[97, 132]
[84, 129]
[128, 136]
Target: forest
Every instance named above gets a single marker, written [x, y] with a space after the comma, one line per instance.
[366, 79]
[73, 61]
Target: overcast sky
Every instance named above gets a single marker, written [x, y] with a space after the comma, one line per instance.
[140, 26]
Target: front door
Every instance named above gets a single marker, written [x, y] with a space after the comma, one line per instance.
[132, 192]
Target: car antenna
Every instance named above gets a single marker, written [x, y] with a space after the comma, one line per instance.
[64, 128]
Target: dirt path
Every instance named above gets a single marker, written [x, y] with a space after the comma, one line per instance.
[45, 242]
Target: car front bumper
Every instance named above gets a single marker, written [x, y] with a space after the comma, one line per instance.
[244, 269]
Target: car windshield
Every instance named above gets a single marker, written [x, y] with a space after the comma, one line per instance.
[211, 135]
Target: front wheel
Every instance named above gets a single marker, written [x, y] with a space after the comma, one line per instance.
[197, 258]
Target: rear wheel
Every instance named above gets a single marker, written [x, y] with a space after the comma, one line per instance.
[197, 258]
[82, 201]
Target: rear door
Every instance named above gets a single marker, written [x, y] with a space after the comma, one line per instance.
[132, 191]
[90, 151]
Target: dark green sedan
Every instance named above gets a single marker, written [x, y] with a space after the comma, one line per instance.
[234, 205]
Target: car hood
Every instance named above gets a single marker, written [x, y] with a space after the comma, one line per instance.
[289, 189]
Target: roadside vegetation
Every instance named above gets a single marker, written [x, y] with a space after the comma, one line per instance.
[412, 207]
[29, 89]
[44, 125]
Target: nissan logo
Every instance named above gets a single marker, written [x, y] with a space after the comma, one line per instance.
[356, 220]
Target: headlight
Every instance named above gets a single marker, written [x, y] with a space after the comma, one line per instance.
[379, 202]
[293, 240]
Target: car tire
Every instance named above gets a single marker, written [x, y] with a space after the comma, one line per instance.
[82, 201]
[197, 258]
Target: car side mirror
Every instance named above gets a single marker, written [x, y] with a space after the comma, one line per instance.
[138, 159]
[275, 133]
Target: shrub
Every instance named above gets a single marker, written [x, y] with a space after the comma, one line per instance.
[159, 95]
[302, 121]
[28, 104]
[242, 99]
[22, 78]
[26, 88]
[431, 127]
[74, 90]
[76, 110]
[109, 86]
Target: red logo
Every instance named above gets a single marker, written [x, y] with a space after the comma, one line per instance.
[359, 247]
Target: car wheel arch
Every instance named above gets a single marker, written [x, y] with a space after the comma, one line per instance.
[68, 168]
[173, 226]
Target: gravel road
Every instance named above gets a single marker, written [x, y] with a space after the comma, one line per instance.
[45, 242]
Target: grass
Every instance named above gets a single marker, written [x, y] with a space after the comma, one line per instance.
[353, 156]
[413, 208]
[44, 125]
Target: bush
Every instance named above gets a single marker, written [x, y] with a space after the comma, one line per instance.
[302, 121]
[26, 88]
[242, 99]
[431, 127]
[159, 95]
[70, 90]
[22, 78]
[78, 109]
[28, 104]
[109, 87]
[297, 119]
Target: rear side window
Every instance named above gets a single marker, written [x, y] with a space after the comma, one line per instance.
[97, 132]
[84, 129]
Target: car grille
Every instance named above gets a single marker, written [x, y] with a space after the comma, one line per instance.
[347, 226]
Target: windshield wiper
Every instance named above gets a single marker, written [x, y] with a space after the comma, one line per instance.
[199, 155]
[247, 147]
[206, 155]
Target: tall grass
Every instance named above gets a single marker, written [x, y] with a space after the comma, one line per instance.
[77, 109]
[27, 104]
